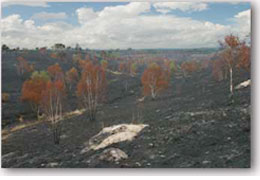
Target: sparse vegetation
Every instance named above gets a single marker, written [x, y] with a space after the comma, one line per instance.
[154, 80]
[52, 103]
[188, 103]
[91, 88]
[32, 90]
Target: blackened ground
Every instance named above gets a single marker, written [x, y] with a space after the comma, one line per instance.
[191, 124]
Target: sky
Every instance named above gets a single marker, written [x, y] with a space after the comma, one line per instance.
[112, 25]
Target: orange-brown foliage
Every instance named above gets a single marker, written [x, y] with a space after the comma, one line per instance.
[167, 67]
[189, 67]
[91, 87]
[154, 80]
[234, 54]
[82, 63]
[244, 62]
[72, 76]
[53, 93]
[232, 41]
[121, 67]
[32, 91]
[230, 54]
[52, 103]
[55, 71]
[54, 56]
[219, 70]
[129, 67]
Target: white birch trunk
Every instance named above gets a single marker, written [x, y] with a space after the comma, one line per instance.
[231, 81]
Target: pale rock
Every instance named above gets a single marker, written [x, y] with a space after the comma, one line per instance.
[162, 156]
[113, 134]
[243, 84]
[138, 164]
[112, 155]
[205, 162]
[52, 164]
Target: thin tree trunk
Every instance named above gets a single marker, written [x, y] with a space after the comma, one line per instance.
[231, 81]
[153, 93]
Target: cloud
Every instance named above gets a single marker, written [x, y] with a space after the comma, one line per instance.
[242, 23]
[122, 27]
[24, 33]
[166, 7]
[234, 2]
[245, 15]
[27, 3]
[47, 16]
[85, 15]
[124, 11]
